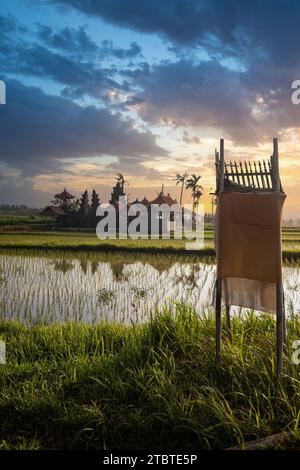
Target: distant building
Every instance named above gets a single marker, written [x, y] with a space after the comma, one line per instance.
[67, 211]
[57, 213]
[64, 197]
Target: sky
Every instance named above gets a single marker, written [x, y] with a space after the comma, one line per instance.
[145, 88]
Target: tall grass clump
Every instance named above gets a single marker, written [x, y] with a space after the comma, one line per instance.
[155, 385]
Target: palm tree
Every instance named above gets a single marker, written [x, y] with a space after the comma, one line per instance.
[197, 195]
[181, 179]
[121, 181]
[192, 183]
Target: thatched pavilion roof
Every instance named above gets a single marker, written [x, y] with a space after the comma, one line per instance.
[52, 211]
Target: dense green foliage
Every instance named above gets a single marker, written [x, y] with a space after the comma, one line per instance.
[11, 220]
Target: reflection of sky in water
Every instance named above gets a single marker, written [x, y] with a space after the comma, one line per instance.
[47, 290]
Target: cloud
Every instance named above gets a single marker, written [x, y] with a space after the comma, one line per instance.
[206, 95]
[169, 18]
[229, 27]
[8, 26]
[188, 139]
[257, 37]
[210, 97]
[38, 131]
[82, 77]
[21, 191]
[134, 167]
[70, 58]
[107, 49]
[203, 95]
[78, 42]
[67, 39]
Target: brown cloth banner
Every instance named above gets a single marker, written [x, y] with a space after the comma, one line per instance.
[248, 248]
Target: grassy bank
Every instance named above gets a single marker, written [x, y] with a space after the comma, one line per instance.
[21, 221]
[69, 241]
[83, 242]
[153, 385]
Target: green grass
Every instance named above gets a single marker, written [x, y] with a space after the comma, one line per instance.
[157, 385]
[9, 220]
[89, 242]
[76, 241]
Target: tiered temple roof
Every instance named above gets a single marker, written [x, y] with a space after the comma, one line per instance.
[64, 195]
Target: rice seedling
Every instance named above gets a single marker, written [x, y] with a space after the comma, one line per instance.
[57, 287]
[105, 296]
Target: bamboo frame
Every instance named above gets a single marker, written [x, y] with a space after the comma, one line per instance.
[245, 177]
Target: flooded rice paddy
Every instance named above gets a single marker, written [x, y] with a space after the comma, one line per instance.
[119, 288]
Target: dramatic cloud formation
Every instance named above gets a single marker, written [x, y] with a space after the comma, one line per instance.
[248, 98]
[166, 80]
[182, 21]
[232, 27]
[202, 95]
[209, 95]
[81, 76]
[67, 56]
[38, 131]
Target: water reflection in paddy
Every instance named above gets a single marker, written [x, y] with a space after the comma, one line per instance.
[114, 288]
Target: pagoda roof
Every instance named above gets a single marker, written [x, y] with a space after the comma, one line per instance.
[64, 195]
[163, 199]
[145, 200]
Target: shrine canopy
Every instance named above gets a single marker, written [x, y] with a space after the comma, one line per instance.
[64, 195]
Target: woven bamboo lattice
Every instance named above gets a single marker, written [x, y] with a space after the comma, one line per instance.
[243, 176]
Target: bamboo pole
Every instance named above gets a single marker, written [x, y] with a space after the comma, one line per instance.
[283, 322]
[218, 317]
[228, 325]
[275, 165]
[242, 174]
[265, 171]
[279, 330]
[221, 188]
[261, 174]
[256, 175]
[217, 170]
[280, 314]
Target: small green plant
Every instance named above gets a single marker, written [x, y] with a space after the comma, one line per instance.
[139, 293]
[105, 296]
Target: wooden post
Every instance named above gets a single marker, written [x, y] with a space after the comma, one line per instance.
[218, 317]
[229, 334]
[279, 330]
[283, 323]
[217, 170]
[284, 330]
[280, 314]
[221, 188]
[276, 183]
